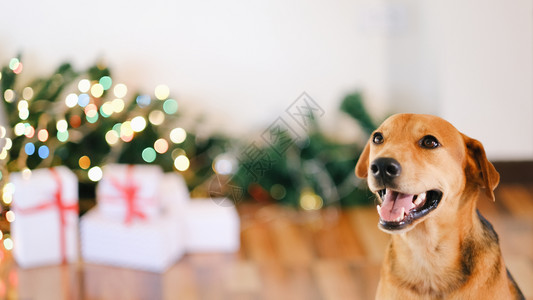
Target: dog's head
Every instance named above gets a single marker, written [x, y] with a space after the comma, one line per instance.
[420, 165]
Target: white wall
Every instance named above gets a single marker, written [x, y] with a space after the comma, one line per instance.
[242, 63]
[486, 72]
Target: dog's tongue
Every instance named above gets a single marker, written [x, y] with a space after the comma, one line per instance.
[393, 202]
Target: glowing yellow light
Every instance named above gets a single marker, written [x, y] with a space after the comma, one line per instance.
[9, 188]
[9, 144]
[111, 137]
[71, 100]
[84, 162]
[107, 108]
[27, 93]
[2, 132]
[161, 146]
[95, 174]
[8, 244]
[42, 135]
[29, 131]
[9, 95]
[23, 105]
[26, 174]
[0, 76]
[84, 85]
[126, 132]
[120, 90]
[19, 129]
[97, 90]
[62, 125]
[162, 92]
[91, 110]
[138, 124]
[311, 201]
[178, 135]
[181, 163]
[156, 117]
[10, 216]
[24, 114]
[118, 105]
[3, 154]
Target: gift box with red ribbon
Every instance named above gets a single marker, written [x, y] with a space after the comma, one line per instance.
[130, 192]
[45, 229]
[151, 245]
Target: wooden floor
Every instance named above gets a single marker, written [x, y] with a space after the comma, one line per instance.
[331, 254]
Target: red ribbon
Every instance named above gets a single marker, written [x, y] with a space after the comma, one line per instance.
[129, 191]
[57, 202]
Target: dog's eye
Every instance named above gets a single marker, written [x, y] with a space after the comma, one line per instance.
[429, 142]
[377, 138]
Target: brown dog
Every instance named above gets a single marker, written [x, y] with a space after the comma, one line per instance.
[428, 177]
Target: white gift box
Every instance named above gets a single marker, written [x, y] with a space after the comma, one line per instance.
[150, 245]
[130, 192]
[210, 227]
[45, 229]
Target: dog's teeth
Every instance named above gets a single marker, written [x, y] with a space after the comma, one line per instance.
[379, 209]
[420, 198]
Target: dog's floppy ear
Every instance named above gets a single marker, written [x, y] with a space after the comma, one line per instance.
[478, 167]
[361, 168]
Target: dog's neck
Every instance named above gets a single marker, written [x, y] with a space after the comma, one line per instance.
[421, 256]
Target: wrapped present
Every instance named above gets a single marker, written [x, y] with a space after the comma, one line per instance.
[130, 192]
[45, 229]
[210, 227]
[152, 245]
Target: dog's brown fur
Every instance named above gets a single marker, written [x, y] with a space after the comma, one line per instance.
[453, 252]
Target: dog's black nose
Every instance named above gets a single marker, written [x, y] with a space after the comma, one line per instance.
[385, 168]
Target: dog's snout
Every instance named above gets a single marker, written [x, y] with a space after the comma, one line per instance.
[385, 168]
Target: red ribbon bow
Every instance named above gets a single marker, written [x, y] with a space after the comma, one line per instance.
[56, 202]
[129, 191]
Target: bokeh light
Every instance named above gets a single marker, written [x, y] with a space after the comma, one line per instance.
[118, 105]
[161, 146]
[62, 136]
[10, 216]
[162, 92]
[138, 124]
[43, 151]
[62, 125]
[83, 100]
[156, 117]
[95, 174]
[9, 95]
[91, 110]
[71, 100]
[84, 162]
[42, 135]
[84, 85]
[29, 148]
[178, 135]
[111, 137]
[97, 90]
[149, 154]
[106, 110]
[27, 93]
[170, 106]
[75, 121]
[29, 131]
[311, 201]
[19, 129]
[143, 100]
[92, 119]
[106, 82]
[120, 90]
[181, 163]
[224, 164]
[8, 244]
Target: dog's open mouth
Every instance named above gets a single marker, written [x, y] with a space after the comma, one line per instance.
[397, 210]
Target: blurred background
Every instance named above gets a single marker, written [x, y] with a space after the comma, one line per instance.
[237, 70]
